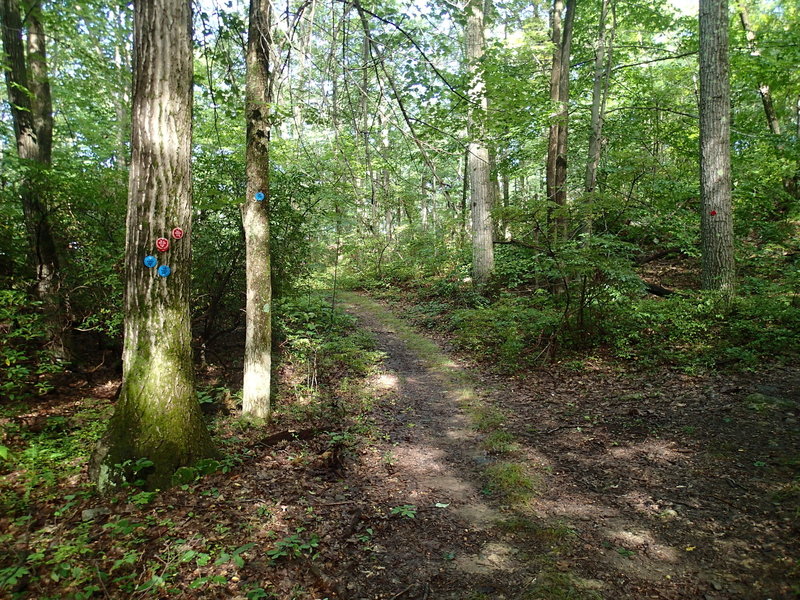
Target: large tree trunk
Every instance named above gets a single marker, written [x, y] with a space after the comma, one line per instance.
[255, 213]
[157, 416]
[32, 115]
[715, 163]
[479, 165]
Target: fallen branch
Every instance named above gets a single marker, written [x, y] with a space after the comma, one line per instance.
[288, 436]
[643, 259]
[657, 290]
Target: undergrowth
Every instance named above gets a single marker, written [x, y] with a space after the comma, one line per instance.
[61, 540]
[692, 331]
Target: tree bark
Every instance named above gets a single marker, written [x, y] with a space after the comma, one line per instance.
[563, 122]
[157, 416]
[555, 78]
[602, 72]
[479, 165]
[32, 116]
[255, 212]
[715, 165]
[559, 128]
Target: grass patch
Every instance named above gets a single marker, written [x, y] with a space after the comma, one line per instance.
[499, 442]
[486, 418]
[554, 585]
[553, 534]
[513, 480]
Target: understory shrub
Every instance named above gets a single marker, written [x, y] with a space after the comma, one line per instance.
[314, 336]
[511, 330]
[24, 362]
[699, 330]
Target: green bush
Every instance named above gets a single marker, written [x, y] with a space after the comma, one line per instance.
[510, 330]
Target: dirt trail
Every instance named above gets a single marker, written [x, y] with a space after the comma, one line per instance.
[661, 487]
[436, 461]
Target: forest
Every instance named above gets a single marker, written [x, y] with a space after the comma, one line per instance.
[400, 299]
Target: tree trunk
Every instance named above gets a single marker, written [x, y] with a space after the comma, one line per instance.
[39, 85]
[789, 183]
[122, 93]
[552, 138]
[505, 229]
[715, 164]
[479, 165]
[602, 72]
[157, 416]
[32, 115]
[255, 213]
[558, 136]
[563, 121]
[763, 88]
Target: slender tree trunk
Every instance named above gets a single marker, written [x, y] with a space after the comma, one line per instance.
[552, 138]
[464, 195]
[763, 88]
[479, 165]
[602, 72]
[385, 177]
[122, 94]
[157, 416]
[32, 115]
[563, 121]
[774, 124]
[715, 166]
[505, 229]
[365, 128]
[255, 212]
[559, 129]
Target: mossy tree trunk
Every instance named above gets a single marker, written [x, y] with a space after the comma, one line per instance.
[255, 213]
[157, 416]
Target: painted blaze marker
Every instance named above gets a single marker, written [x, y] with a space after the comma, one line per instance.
[162, 244]
[164, 271]
[150, 261]
[259, 196]
[713, 213]
[177, 233]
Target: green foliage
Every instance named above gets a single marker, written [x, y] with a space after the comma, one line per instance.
[409, 511]
[295, 546]
[700, 330]
[315, 337]
[25, 364]
[499, 442]
[510, 330]
[555, 585]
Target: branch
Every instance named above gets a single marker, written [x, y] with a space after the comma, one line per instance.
[653, 60]
[414, 43]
